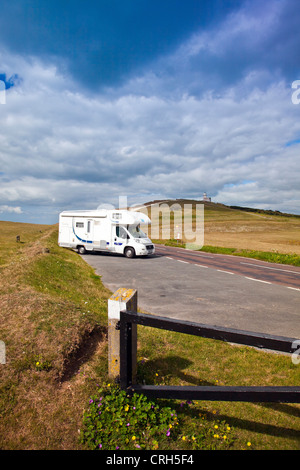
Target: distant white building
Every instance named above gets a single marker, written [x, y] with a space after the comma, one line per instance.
[206, 198]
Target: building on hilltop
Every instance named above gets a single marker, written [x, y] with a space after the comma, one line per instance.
[206, 198]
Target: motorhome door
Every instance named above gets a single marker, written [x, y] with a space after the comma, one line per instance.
[89, 230]
[120, 237]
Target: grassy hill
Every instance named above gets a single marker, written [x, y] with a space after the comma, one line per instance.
[235, 227]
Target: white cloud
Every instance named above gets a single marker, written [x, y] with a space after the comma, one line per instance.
[60, 148]
[10, 209]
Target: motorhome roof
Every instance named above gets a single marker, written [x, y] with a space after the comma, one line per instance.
[79, 213]
[117, 216]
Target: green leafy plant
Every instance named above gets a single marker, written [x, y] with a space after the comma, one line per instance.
[115, 420]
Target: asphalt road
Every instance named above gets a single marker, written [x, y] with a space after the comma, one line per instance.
[214, 289]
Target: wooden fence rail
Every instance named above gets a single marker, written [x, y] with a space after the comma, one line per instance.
[127, 329]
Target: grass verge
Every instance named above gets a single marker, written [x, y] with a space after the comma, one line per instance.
[53, 312]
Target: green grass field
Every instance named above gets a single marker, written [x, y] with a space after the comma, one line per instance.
[54, 324]
[236, 230]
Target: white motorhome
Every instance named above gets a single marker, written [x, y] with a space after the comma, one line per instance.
[116, 231]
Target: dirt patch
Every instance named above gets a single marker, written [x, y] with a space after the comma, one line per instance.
[91, 344]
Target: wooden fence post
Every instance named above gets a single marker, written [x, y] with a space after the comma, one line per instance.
[122, 300]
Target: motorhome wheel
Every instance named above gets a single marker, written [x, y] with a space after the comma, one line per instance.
[129, 252]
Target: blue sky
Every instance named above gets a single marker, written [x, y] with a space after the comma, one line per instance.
[148, 100]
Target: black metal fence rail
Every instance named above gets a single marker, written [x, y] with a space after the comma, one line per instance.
[211, 393]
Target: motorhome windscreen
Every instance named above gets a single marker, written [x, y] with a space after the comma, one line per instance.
[136, 232]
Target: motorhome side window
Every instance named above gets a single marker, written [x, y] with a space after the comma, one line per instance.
[89, 226]
[79, 224]
[120, 232]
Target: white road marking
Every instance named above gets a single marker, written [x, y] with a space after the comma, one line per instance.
[258, 280]
[203, 256]
[268, 267]
[227, 272]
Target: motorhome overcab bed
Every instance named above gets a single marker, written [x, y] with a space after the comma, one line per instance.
[116, 231]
